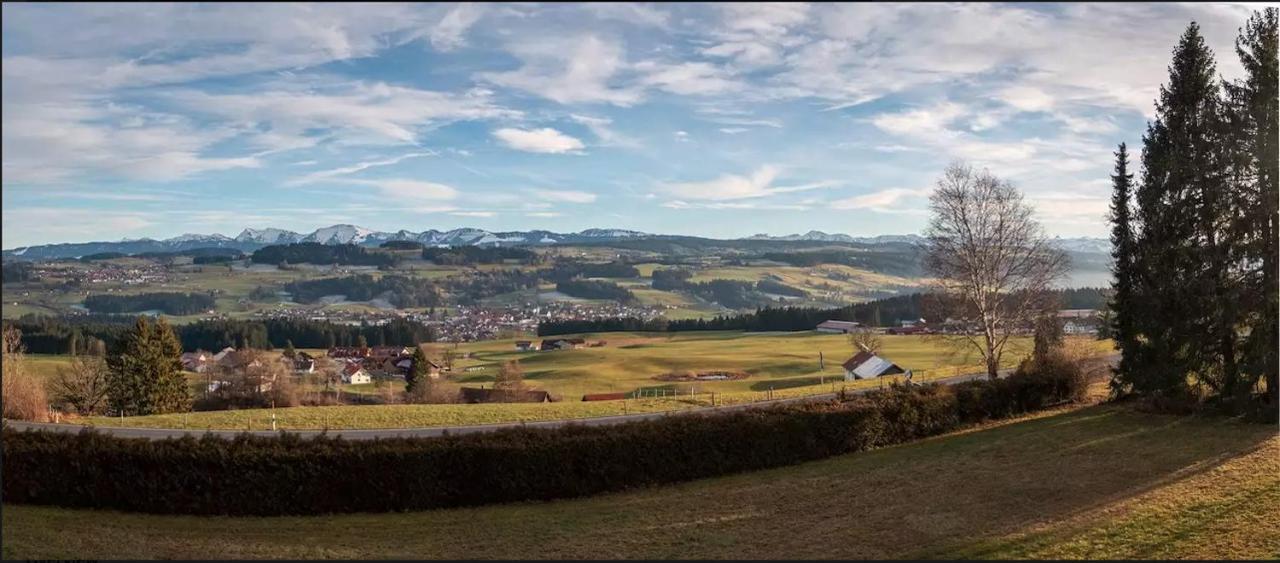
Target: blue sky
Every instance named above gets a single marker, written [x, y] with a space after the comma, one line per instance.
[724, 120]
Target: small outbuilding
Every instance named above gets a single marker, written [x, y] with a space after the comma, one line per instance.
[865, 365]
[838, 327]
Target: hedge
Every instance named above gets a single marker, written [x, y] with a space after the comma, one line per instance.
[251, 475]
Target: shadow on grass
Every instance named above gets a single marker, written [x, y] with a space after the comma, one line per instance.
[1075, 463]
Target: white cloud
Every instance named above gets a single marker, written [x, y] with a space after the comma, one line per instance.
[402, 188]
[544, 214]
[568, 70]
[569, 196]
[480, 214]
[883, 200]
[689, 78]
[449, 33]
[734, 187]
[368, 113]
[600, 127]
[545, 140]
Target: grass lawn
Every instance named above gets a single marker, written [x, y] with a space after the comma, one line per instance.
[1098, 482]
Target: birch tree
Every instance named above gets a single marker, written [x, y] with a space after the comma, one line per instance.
[991, 262]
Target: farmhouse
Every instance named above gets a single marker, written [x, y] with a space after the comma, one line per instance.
[473, 395]
[223, 354]
[562, 344]
[525, 345]
[385, 352]
[355, 374]
[304, 363]
[197, 361]
[865, 365]
[349, 352]
[838, 327]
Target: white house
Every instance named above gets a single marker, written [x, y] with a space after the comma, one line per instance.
[355, 374]
[865, 365]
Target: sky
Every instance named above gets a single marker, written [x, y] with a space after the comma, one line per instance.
[721, 120]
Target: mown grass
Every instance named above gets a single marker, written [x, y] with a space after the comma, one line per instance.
[1101, 481]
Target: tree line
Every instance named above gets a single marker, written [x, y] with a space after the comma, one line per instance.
[471, 255]
[170, 303]
[317, 253]
[94, 334]
[1194, 233]
[595, 289]
[879, 313]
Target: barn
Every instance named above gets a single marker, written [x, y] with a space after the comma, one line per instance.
[865, 365]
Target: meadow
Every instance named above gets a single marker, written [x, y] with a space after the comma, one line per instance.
[1096, 482]
[780, 365]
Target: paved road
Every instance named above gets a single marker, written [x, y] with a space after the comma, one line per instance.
[369, 434]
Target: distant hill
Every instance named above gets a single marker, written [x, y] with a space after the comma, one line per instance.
[1088, 253]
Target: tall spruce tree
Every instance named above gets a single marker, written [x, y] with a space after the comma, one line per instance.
[1122, 306]
[146, 371]
[1178, 258]
[419, 372]
[172, 392]
[1252, 116]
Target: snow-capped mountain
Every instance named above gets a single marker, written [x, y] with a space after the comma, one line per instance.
[268, 236]
[340, 234]
[838, 237]
[192, 237]
[252, 239]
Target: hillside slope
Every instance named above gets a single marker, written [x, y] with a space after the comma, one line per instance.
[1100, 481]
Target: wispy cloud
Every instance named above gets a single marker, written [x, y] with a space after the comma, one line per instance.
[357, 167]
[733, 186]
[567, 196]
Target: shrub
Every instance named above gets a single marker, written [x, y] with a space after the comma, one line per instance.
[214, 475]
[22, 395]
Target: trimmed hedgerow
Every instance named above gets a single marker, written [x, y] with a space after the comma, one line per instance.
[290, 475]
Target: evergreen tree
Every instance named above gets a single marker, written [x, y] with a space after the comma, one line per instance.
[419, 372]
[128, 385]
[1252, 117]
[289, 352]
[173, 394]
[146, 371]
[362, 342]
[1047, 336]
[1177, 254]
[1121, 309]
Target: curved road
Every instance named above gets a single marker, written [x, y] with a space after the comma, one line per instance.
[370, 434]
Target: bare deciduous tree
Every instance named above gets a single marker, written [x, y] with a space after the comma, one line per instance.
[83, 384]
[990, 259]
[865, 339]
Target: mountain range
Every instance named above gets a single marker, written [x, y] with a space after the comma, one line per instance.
[252, 239]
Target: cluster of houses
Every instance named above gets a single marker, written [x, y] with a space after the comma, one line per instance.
[361, 364]
[358, 364]
[549, 344]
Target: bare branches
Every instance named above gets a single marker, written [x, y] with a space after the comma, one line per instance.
[991, 260]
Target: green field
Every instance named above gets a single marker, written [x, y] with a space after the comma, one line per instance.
[1097, 482]
[780, 365]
